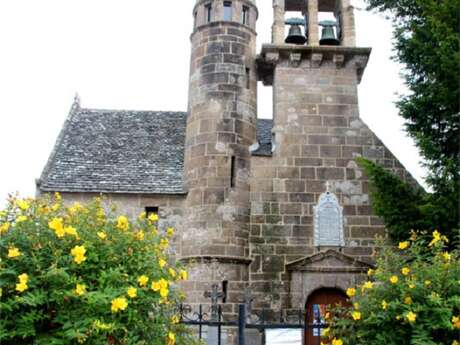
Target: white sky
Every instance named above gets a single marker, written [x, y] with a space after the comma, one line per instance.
[134, 54]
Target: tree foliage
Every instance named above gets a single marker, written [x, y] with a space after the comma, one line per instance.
[427, 44]
[77, 275]
[411, 298]
[404, 206]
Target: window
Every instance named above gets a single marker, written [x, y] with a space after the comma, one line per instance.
[232, 173]
[245, 16]
[195, 17]
[227, 10]
[248, 78]
[208, 13]
[151, 210]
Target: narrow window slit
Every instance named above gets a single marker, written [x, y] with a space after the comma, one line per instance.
[248, 78]
[208, 13]
[232, 173]
[227, 10]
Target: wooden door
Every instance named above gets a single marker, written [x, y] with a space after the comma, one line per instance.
[317, 303]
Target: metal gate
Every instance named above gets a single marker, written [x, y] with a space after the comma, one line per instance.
[258, 321]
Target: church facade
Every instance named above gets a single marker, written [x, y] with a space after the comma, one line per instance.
[279, 206]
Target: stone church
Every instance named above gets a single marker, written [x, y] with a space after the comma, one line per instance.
[279, 205]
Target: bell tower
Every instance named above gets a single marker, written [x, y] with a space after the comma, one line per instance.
[314, 67]
[221, 127]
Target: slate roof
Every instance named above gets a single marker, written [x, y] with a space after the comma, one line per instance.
[122, 151]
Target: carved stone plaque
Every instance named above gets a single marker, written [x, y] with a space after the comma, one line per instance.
[328, 221]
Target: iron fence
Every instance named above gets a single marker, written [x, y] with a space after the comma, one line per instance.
[259, 321]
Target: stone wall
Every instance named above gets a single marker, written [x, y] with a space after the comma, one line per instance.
[318, 133]
[171, 209]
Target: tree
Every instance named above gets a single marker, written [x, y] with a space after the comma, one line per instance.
[74, 275]
[427, 42]
[411, 298]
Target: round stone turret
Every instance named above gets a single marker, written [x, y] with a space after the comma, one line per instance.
[221, 127]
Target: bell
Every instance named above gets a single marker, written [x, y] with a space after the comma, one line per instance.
[295, 35]
[328, 35]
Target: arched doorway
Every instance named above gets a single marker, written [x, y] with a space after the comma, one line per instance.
[316, 305]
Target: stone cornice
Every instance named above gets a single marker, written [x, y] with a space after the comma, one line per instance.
[274, 54]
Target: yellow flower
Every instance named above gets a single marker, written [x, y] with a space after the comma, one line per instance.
[405, 271]
[394, 279]
[58, 196]
[13, 252]
[163, 283]
[164, 243]
[80, 289]
[122, 223]
[403, 245]
[21, 219]
[162, 263]
[326, 331]
[384, 305]
[156, 286]
[78, 253]
[356, 305]
[367, 285]
[132, 292]
[23, 205]
[408, 300]
[427, 282]
[351, 292]
[21, 287]
[23, 278]
[336, 341]
[142, 216]
[172, 272]
[456, 321]
[446, 256]
[356, 315]
[455, 342]
[171, 338]
[411, 317]
[175, 319]
[118, 304]
[102, 235]
[153, 217]
[183, 275]
[436, 238]
[139, 235]
[370, 272]
[164, 292]
[170, 232]
[57, 225]
[71, 231]
[411, 286]
[143, 280]
[4, 228]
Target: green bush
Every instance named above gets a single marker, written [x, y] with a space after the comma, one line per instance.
[412, 297]
[76, 275]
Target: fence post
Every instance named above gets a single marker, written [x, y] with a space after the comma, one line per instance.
[241, 324]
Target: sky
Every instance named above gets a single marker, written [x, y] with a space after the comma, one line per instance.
[134, 54]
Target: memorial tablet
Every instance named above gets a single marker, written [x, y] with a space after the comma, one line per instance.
[328, 221]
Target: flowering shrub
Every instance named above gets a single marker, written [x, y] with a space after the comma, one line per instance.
[412, 297]
[74, 274]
